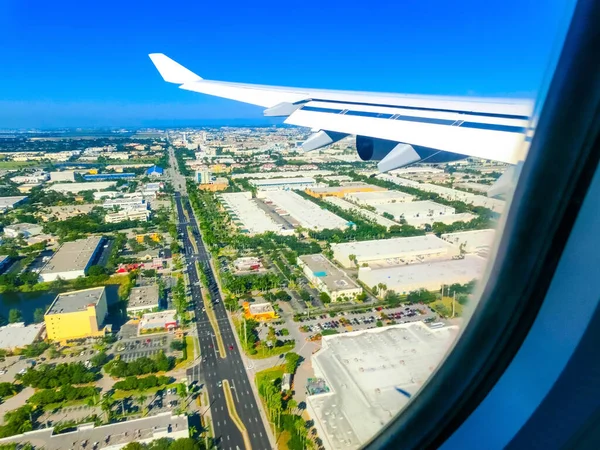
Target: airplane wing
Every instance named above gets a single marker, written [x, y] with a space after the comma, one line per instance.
[396, 129]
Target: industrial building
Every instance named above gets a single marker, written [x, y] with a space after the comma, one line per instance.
[276, 184]
[72, 259]
[430, 276]
[342, 190]
[309, 215]
[246, 215]
[392, 252]
[328, 278]
[75, 188]
[475, 241]
[414, 210]
[366, 377]
[447, 219]
[31, 178]
[290, 174]
[5, 262]
[24, 229]
[347, 206]
[158, 322]
[379, 197]
[108, 176]
[259, 311]
[10, 202]
[142, 299]
[77, 315]
[125, 202]
[18, 335]
[66, 176]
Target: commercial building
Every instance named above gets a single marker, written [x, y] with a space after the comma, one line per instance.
[64, 176]
[379, 198]
[475, 241]
[246, 215]
[64, 212]
[140, 214]
[259, 311]
[341, 191]
[24, 229]
[203, 176]
[247, 263]
[306, 213]
[328, 278]
[72, 259]
[37, 177]
[414, 210]
[364, 378]
[283, 183]
[429, 276]
[75, 188]
[17, 335]
[290, 174]
[105, 437]
[125, 202]
[10, 202]
[27, 187]
[392, 252]
[142, 299]
[77, 315]
[158, 322]
[155, 171]
[108, 176]
[347, 206]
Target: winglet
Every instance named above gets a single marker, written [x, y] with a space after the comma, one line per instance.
[171, 71]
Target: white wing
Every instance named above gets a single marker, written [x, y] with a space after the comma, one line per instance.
[397, 129]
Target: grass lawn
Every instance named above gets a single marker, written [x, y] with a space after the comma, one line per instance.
[190, 343]
[17, 164]
[444, 307]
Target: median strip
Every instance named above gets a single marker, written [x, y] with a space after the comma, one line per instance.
[192, 240]
[211, 316]
[234, 415]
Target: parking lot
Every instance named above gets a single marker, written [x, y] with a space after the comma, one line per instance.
[136, 348]
[353, 321]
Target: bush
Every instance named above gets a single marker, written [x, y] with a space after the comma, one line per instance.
[46, 376]
[135, 384]
[141, 366]
[65, 393]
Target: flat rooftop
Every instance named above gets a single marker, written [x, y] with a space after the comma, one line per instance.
[260, 308]
[284, 181]
[369, 374]
[143, 296]
[382, 249]
[70, 302]
[247, 215]
[345, 205]
[78, 187]
[72, 256]
[307, 213]
[290, 174]
[345, 187]
[8, 202]
[428, 275]
[424, 208]
[378, 197]
[472, 240]
[17, 335]
[322, 268]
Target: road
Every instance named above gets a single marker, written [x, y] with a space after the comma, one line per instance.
[212, 367]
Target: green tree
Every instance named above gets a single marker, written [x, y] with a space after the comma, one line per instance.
[96, 271]
[134, 446]
[291, 362]
[325, 298]
[38, 315]
[14, 316]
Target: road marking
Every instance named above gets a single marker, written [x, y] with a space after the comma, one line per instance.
[234, 415]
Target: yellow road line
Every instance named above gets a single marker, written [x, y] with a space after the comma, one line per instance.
[192, 240]
[234, 415]
[212, 318]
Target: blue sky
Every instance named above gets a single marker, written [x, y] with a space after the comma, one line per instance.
[71, 63]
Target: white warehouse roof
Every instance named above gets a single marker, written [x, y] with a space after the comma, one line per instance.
[429, 275]
[341, 203]
[246, 214]
[474, 241]
[379, 197]
[414, 209]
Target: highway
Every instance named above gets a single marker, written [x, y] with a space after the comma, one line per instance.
[212, 368]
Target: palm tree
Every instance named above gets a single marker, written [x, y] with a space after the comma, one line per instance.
[292, 405]
[107, 403]
[141, 400]
[193, 431]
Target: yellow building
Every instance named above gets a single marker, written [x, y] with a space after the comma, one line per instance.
[259, 311]
[93, 171]
[77, 315]
[220, 184]
[220, 168]
[340, 191]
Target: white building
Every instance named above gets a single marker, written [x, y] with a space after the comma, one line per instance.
[31, 178]
[125, 202]
[430, 276]
[247, 216]
[25, 229]
[306, 213]
[364, 378]
[395, 251]
[10, 202]
[130, 213]
[64, 176]
[72, 259]
[283, 183]
[475, 241]
[414, 210]
[17, 335]
[163, 321]
[378, 197]
[347, 206]
[75, 188]
[290, 174]
[328, 278]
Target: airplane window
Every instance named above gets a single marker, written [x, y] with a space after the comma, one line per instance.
[288, 273]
